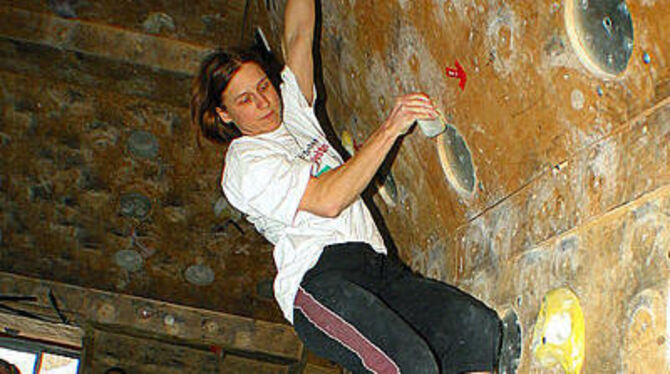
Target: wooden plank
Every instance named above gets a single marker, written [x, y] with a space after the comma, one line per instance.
[94, 71]
[162, 320]
[101, 40]
[209, 23]
[25, 327]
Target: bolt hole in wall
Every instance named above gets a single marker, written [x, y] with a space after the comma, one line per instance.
[601, 33]
[38, 358]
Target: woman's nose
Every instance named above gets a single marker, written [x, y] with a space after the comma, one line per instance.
[262, 101]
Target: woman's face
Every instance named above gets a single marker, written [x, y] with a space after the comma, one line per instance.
[251, 101]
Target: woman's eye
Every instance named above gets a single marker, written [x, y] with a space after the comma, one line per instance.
[245, 100]
[264, 86]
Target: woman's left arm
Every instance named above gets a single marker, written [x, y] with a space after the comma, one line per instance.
[299, 18]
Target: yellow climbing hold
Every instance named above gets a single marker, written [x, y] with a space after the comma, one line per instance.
[348, 142]
[558, 337]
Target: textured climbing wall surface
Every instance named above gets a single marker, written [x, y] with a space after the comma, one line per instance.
[570, 162]
[102, 183]
[553, 172]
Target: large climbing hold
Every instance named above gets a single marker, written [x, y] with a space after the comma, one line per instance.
[601, 33]
[558, 337]
[510, 349]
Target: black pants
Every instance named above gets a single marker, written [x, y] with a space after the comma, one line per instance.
[372, 314]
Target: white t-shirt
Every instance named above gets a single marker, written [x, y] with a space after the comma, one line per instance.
[265, 176]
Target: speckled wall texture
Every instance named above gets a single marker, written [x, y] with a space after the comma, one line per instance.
[553, 173]
[569, 143]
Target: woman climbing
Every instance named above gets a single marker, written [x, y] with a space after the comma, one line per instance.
[347, 300]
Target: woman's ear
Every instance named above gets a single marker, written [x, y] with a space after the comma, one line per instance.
[224, 115]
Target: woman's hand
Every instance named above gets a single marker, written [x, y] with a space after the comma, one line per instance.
[407, 109]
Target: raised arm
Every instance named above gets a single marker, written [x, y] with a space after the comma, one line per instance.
[333, 191]
[299, 16]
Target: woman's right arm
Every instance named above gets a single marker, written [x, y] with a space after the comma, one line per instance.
[330, 193]
[299, 20]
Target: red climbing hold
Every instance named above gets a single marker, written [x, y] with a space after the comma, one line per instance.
[459, 73]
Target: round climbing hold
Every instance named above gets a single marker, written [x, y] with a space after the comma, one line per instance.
[143, 144]
[134, 205]
[601, 33]
[456, 160]
[129, 260]
[388, 189]
[199, 275]
[558, 337]
[510, 347]
[646, 58]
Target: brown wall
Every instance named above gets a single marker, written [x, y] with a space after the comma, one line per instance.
[571, 177]
[571, 168]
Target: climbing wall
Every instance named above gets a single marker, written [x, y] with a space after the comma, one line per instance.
[102, 181]
[547, 196]
[553, 173]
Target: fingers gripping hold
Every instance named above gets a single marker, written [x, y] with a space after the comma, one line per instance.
[407, 109]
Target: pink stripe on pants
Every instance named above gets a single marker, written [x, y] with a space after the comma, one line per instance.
[372, 357]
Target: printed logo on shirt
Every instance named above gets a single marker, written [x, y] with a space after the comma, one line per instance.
[314, 152]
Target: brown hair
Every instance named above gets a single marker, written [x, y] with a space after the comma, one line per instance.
[216, 71]
[9, 368]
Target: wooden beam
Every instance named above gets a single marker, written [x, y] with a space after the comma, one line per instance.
[25, 327]
[100, 40]
[159, 319]
[39, 60]
[208, 23]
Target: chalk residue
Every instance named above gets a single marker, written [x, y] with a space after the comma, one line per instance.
[431, 261]
[392, 75]
[502, 31]
[577, 99]
[605, 165]
[558, 54]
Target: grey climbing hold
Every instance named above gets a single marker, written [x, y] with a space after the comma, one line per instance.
[64, 8]
[134, 205]
[199, 275]
[143, 144]
[389, 190]
[129, 260]
[510, 349]
[221, 206]
[602, 34]
[223, 209]
[156, 22]
[456, 160]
